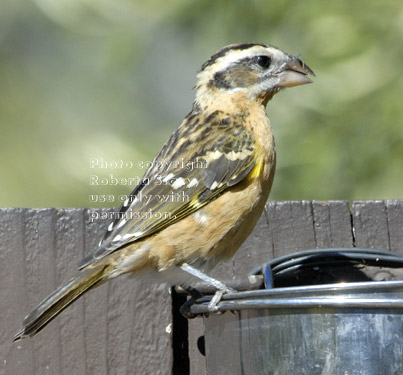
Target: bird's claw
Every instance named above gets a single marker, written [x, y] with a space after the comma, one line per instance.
[212, 306]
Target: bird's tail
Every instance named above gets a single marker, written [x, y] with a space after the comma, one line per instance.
[55, 303]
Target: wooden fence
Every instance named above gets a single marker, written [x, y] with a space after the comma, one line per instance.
[131, 325]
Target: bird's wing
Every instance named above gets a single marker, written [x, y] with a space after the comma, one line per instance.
[182, 178]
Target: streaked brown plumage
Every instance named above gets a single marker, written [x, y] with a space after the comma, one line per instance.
[229, 132]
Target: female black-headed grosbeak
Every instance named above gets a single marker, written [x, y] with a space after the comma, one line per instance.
[219, 164]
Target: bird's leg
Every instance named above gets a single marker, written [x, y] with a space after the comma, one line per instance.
[222, 288]
[209, 280]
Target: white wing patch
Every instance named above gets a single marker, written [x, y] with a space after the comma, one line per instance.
[233, 155]
[213, 155]
[193, 182]
[169, 177]
[117, 238]
[121, 223]
[126, 202]
[179, 182]
[126, 237]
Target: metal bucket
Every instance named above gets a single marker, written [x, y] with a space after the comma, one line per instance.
[334, 329]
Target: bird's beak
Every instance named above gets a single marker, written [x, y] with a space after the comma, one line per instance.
[294, 73]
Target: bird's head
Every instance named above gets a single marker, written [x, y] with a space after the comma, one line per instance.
[256, 70]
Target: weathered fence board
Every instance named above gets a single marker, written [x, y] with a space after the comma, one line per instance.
[332, 224]
[121, 327]
[125, 326]
[394, 211]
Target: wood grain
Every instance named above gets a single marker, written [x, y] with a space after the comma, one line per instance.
[125, 326]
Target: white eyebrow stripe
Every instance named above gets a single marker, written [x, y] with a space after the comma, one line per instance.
[223, 62]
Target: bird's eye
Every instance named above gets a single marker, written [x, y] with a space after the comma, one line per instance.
[263, 61]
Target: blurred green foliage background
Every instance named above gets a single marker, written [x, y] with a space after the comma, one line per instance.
[111, 79]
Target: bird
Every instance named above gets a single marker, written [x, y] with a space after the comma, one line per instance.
[219, 164]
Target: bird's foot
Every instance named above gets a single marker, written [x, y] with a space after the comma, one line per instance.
[212, 306]
[220, 286]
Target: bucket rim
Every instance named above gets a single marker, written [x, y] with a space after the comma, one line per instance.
[358, 295]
